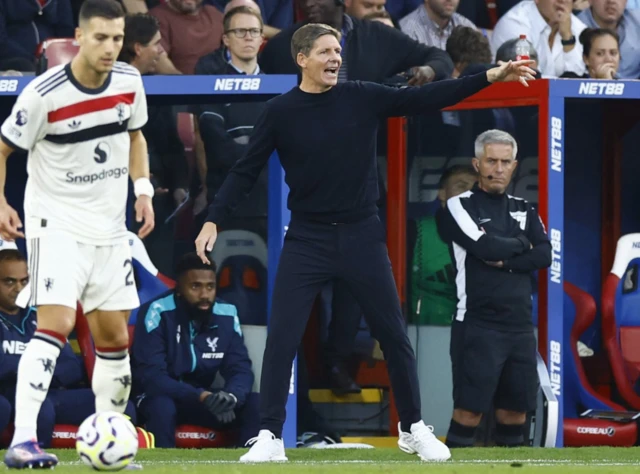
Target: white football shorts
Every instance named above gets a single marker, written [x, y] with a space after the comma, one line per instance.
[64, 271]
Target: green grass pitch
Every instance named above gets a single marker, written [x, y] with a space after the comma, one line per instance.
[466, 461]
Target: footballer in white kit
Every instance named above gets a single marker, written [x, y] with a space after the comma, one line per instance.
[80, 125]
[75, 200]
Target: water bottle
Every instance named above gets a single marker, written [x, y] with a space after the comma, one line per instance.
[523, 50]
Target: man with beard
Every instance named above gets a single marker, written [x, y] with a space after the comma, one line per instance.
[183, 339]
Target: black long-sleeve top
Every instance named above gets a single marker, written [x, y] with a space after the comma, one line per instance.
[327, 145]
[481, 228]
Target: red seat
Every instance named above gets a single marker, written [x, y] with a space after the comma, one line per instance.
[55, 51]
[621, 318]
[580, 312]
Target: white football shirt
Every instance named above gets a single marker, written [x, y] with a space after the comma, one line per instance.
[78, 145]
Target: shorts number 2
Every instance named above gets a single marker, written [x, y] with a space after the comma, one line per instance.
[128, 280]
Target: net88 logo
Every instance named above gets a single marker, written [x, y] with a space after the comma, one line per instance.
[8, 85]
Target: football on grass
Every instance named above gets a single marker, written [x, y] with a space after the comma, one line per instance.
[107, 441]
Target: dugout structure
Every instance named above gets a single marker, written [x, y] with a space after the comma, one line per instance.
[585, 210]
[556, 99]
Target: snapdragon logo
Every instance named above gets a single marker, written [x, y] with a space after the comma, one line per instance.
[93, 177]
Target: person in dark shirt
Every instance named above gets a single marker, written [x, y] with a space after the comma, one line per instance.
[225, 128]
[496, 242]
[168, 165]
[325, 136]
[371, 51]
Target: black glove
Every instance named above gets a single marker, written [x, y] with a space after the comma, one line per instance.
[220, 402]
[226, 417]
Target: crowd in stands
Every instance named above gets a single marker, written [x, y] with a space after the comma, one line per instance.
[397, 42]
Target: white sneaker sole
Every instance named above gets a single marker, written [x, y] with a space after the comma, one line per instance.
[257, 461]
[409, 450]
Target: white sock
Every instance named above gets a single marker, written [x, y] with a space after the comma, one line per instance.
[111, 380]
[35, 371]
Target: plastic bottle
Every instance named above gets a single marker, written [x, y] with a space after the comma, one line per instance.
[523, 50]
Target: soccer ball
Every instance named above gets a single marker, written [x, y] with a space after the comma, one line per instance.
[107, 441]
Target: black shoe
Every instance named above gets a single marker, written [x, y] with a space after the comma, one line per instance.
[341, 382]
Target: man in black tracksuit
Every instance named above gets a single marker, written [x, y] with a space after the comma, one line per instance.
[325, 136]
[497, 241]
[372, 52]
[225, 128]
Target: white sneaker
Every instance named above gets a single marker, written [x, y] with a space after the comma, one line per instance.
[265, 448]
[422, 441]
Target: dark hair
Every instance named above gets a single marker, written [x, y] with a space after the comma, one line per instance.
[588, 35]
[507, 51]
[305, 37]
[455, 170]
[191, 261]
[242, 10]
[109, 9]
[138, 29]
[11, 255]
[468, 46]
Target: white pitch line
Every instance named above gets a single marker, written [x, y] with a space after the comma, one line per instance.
[527, 462]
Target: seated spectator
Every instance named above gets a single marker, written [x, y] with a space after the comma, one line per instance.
[485, 14]
[225, 128]
[278, 14]
[168, 165]
[362, 8]
[614, 16]
[433, 286]
[24, 24]
[183, 339]
[371, 51]
[601, 54]
[381, 16]
[268, 30]
[467, 46]
[65, 403]
[433, 22]
[553, 30]
[189, 30]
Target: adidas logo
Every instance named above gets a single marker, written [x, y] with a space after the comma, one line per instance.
[75, 124]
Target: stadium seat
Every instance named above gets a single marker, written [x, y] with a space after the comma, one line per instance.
[241, 258]
[187, 134]
[579, 314]
[621, 318]
[55, 51]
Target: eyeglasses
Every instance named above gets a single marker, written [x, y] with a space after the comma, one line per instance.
[242, 32]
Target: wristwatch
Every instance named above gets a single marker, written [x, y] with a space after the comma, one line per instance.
[570, 42]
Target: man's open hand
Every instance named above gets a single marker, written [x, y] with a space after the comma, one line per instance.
[512, 71]
[144, 213]
[10, 223]
[205, 241]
